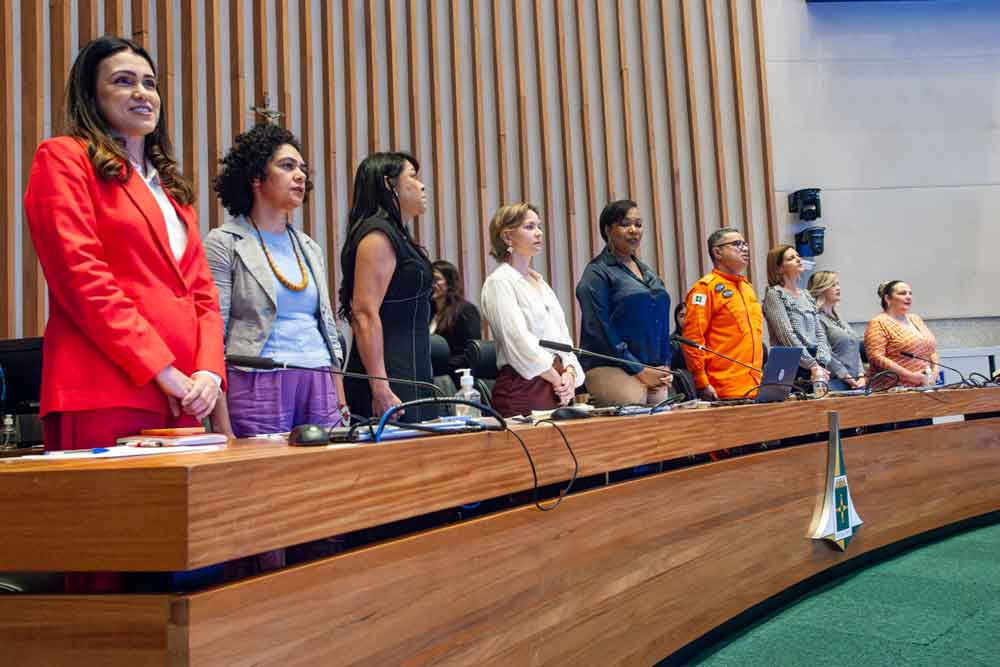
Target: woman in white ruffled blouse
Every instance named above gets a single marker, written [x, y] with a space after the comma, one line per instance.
[521, 310]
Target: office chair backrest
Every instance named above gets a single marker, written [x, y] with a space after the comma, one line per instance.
[482, 356]
[440, 352]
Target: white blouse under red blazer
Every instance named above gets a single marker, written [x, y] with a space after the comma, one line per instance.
[121, 308]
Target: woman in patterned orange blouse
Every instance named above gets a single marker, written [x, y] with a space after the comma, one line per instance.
[897, 331]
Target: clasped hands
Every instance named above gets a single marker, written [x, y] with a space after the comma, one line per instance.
[563, 384]
[655, 378]
[195, 395]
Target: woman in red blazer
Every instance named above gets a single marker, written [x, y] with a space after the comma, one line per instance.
[134, 338]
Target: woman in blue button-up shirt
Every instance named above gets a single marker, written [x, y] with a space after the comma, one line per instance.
[625, 314]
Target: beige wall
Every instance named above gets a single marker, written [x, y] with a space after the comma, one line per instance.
[892, 109]
[568, 104]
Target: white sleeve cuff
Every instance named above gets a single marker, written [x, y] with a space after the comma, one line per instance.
[215, 377]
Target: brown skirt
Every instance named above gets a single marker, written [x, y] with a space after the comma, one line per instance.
[513, 395]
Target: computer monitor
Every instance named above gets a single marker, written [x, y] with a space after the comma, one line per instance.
[21, 387]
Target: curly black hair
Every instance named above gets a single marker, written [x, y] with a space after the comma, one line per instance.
[246, 161]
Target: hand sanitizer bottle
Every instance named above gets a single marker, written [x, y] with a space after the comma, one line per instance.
[467, 392]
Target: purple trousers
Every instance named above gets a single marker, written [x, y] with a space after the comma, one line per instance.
[277, 401]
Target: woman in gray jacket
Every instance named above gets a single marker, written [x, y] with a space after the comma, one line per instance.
[846, 369]
[792, 316]
[272, 291]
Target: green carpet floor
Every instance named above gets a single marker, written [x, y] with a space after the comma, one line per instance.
[938, 604]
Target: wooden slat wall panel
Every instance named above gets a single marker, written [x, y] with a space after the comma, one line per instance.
[372, 53]
[284, 101]
[609, 172]
[114, 17]
[568, 160]
[86, 21]
[720, 147]
[140, 21]
[392, 73]
[457, 142]
[483, 214]
[437, 132]
[675, 172]
[8, 310]
[520, 69]
[62, 57]
[350, 95]
[652, 160]
[765, 123]
[692, 109]
[261, 38]
[330, 152]
[498, 83]
[593, 207]
[237, 75]
[307, 118]
[190, 104]
[32, 132]
[214, 105]
[164, 57]
[736, 53]
[414, 49]
[566, 125]
[544, 152]
[626, 116]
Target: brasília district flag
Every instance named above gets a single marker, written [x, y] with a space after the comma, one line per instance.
[836, 520]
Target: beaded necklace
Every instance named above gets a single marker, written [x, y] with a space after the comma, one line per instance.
[295, 287]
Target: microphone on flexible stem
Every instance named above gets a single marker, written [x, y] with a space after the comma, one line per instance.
[579, 351]
[965, 380]
[269, 364]
[698, 346]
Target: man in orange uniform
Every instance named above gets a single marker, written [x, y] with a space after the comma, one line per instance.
[723, 314]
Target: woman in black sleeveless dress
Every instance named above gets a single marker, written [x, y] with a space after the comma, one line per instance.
[386, 289]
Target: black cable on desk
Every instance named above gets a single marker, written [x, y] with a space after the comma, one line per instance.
[534, 473]
[503, 426]
[870, 387]
[791, 387]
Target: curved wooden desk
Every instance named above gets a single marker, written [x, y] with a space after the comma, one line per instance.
[625, 573]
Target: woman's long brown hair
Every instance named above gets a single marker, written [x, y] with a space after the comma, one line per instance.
[454, 298]
[84, 121]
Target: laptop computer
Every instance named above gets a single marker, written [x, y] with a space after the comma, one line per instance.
[779, 374]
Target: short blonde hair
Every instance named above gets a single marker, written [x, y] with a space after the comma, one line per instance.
[819, 283]
[774, 259]
[507, 218]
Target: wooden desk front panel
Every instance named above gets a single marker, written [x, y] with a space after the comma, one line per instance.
[80, 631]
[621, 574]
[185, 511]
[627, 573]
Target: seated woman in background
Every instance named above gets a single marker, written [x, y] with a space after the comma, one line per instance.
[896, 331]
[521, 309]
[273, 291]
[791, 313]
[455, 319]
[677, 356]
[845, 366]
[625, 313]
